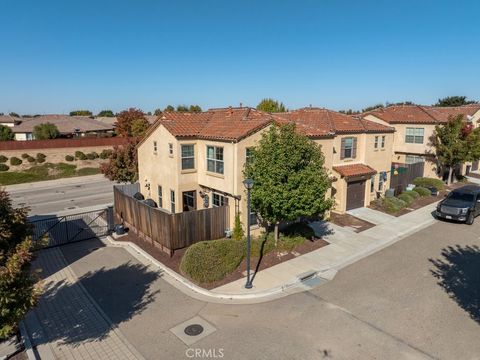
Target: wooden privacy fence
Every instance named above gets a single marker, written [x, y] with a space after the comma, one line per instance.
[405, 174]
[166, 231]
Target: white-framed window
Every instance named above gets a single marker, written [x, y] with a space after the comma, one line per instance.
[375, 146]
[172, 201]
[154, 147]
[372, 184]
[160, 196]
[413, 159]
[383, 142]
[380, 184]
[188, 157]
[219, 200]
[348, 148]
[414, 135]
[170, 149]
[215, 159]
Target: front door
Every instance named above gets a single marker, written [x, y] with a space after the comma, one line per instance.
[355, 194]
[189, 200]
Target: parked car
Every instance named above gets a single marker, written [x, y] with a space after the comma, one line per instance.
[462, 204]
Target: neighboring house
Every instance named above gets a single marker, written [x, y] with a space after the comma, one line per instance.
[357, 153]
[415, 126]
[10, 121]
[192, 161]
[68, 126]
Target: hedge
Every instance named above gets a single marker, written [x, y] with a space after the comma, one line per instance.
[69, 158]
[25, 155]
[424, 182]
[4, 167]
[406, 197]
[3, 159]
[80, 155]
[422, 191]
[393, 204]
[15, 161]
[105, 154]
[31, 159]
[41, 158]
[413, 194]
[92, 156]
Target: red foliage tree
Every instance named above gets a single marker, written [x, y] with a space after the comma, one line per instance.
[130, 121]
[122, 165]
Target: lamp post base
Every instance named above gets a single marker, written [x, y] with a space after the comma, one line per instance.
[248, 285]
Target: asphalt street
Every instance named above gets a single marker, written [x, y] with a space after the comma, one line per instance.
[417, 299]
[54, 196]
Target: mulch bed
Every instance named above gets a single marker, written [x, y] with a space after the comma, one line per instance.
[347, 220]
[421, 201]
[268, 260]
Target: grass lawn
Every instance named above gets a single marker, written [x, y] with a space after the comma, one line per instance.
[47, 171]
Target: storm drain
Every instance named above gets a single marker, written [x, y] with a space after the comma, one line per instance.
[191, 331]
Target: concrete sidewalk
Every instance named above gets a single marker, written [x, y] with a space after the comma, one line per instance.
[303, 272]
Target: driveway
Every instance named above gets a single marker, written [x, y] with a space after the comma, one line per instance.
[416, 299]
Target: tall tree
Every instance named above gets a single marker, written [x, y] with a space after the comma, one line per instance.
[373, 107]
[289, 177]
[157, 112]
[122, 165]
[271, 106]
[106, 113]
[455, 143]
[182, 108]
[6, 133]
[195, 109]
[18, 292]
[81, 113]
[454, 101]
[169, 108]
[127, 119]
[46, 131]
[14, 114]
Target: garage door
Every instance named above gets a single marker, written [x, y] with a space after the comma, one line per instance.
[355, 194]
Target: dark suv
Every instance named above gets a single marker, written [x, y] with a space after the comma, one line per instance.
[461, 204]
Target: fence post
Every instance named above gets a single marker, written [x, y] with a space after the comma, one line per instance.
[110, 219]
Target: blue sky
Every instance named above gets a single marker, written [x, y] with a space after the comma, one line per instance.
[57, 56]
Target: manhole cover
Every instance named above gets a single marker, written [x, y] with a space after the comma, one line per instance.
[194, 330]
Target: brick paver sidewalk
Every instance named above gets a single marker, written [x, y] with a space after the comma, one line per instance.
[67, 323]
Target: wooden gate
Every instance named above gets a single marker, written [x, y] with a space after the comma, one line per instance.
[404, 174]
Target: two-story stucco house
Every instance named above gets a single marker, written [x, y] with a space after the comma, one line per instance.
[357, 153]
[415, 126]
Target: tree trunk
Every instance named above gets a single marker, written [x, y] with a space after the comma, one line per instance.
[450, 174]
[275, 234]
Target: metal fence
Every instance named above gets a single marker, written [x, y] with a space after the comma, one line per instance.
[49, 231]
[404, 174]
[167, 231]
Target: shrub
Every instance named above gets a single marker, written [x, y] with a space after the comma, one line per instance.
[41, 158]
[80, 155]
[4, 167]
[15, 161]
[3, 159]
[238, 232]
[413, 194]
[422, 191]
[24, 156]
[69, 158]
[105, 154]
[406, 197]
[393, 204]
[209, 261]
[299, 229]
[92, 156]
[424, 182]
[31, 159]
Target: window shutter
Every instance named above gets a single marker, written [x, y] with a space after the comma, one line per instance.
[342, 150]
[354, 147]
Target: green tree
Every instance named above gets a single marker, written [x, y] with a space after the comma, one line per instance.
[182, 108]
[14, 114]
[238, 233]
[195, 109]
[46, 131]
[6, 133]
[290, 180]
[455, 143]
[131, 122]
[271, 106]
[454, 101]
[157, 112]
[18, 293]
[122, 165]
[169, 108]
[106, 113]
[373, 107]
[81, 113]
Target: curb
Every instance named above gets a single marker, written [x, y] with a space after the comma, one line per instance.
[207, 295]
[27, 342]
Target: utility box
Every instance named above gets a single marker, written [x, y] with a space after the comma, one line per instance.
[390, 193]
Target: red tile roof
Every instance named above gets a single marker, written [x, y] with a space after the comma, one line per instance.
[416, 114]
[351, 170]
[322, 122]
[227, 124]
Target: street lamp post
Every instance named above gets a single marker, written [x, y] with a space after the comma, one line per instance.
[248, 185]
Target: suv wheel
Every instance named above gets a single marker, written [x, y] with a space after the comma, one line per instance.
[470, 219]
